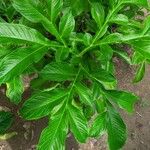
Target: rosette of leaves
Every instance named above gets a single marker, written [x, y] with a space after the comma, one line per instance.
[70, 45]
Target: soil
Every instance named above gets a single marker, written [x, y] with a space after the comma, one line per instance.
[138, 123]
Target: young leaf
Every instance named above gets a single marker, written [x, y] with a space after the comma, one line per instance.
[15, 88]
[17, 61]
[58, 72]
[87, 39]
[67, 23]
[54, 7]
[78, 123]
[98, 13]
[17, 33]
[116, 129]
[99, 126]
[140, 73]
[124, 99]
[41, 104]
[84, 94]
[6, 120]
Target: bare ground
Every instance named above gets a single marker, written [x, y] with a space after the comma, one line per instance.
[138, 124]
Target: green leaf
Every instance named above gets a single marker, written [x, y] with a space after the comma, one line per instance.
[140, 73]
[103, 76]
[58, 72]
[116, 129]
[62, 54]
[4, 51]
[139, 42]
[120, 19]
[78, 123]
[87, 39]
[41, 104]
[120, 38]
[15, 89]
[53, 137]
[6, 120]
[142, 46]
[106, 52]
[98, 13]
[125, 100]
[77, 6]
[54, 7]
[17, 33]
[143, 3]
[146, 25]
[137, 58]
[31, 12]
[17, 61]
[84, 94]
[123, 55]
[99, 126]
[112, 3]
[67, 23]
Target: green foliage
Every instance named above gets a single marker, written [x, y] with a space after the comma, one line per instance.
[6, 120]
[69, 45]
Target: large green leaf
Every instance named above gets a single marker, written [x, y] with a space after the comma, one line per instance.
[125, 100]
[17, 61]
[54, 8]
[98, 13]
[140, 42]
[119, 38]
[116, 129]
[78, 123]
[15, 88]
[58, 72]
[16, 33]
[41, 104]
[30, 11]
[67, 23]
[53, 137]
[84, 94]
[6, 120]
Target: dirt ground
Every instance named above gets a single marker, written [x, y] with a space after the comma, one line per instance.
[138, 124]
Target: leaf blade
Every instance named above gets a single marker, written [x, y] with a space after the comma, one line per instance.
[78, 124]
